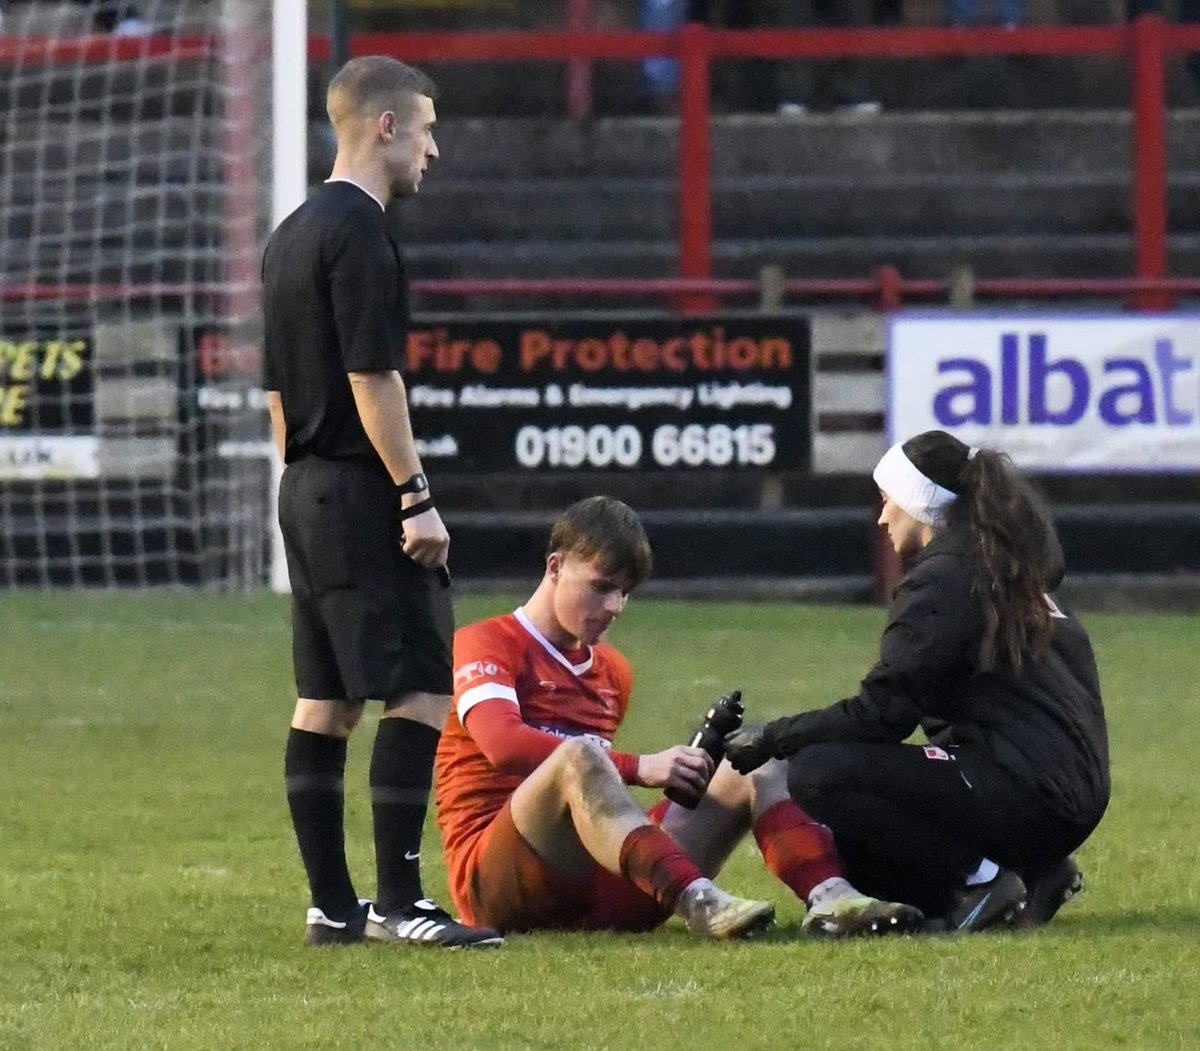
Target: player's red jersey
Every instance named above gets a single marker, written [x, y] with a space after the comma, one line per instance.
[507, 658]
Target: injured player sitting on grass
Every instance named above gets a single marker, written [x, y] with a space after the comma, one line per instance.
[541, 829]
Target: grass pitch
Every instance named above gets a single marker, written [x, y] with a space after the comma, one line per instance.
[152, 897]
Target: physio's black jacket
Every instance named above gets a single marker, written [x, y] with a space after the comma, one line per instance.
[335, 301]
[1044, 725]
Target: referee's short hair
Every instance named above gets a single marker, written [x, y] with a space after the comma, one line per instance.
[372, 84]
[603, 529]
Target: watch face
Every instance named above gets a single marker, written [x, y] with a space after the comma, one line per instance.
[416, 484]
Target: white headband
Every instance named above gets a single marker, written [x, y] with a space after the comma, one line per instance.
[909, 489]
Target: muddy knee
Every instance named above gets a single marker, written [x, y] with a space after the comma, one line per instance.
[582, 761]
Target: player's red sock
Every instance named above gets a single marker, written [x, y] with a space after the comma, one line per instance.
[654, 863]
[796, 848]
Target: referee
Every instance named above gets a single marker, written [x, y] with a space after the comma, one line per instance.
[366, 548]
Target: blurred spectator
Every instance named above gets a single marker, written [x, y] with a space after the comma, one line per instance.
[1189, 12]
[662, 74]
[116, 16]
[106, 16]
[965, 13]
[836, 84]
[887, 12]
[833, 84]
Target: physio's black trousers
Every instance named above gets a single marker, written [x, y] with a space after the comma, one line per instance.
[912, 821]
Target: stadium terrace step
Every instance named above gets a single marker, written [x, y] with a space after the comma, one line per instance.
[175, 149]
[65, 212]
[779, 206]
[1033, 193]
[148, 90]
[1026, 142]
[1042, 193]
[529, 89]
[1046, 255]
[108, 262]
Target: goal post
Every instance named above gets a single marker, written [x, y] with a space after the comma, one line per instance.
[141, 169]
[289, 170]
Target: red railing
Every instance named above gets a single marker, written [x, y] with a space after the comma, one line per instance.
[1148, 43]
[886, 288]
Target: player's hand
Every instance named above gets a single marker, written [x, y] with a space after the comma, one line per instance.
[749, 747]
[426, 541]
[683, 768]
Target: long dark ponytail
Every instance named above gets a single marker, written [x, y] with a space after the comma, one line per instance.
[1014, 540]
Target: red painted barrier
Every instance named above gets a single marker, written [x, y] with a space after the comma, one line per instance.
[1148, 44]
[886, 290]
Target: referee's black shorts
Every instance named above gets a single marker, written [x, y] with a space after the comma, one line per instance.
[367, 621]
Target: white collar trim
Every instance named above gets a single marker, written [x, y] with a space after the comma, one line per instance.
[549, 647]
[342, 178]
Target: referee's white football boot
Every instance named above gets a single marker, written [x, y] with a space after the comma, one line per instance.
[424, 923]
[711, 913]
[321, 930]
[859, 915]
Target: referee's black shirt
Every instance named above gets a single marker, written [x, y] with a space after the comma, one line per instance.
[335, 301]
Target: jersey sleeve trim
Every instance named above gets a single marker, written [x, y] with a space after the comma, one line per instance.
[627, 766]
[487, 691]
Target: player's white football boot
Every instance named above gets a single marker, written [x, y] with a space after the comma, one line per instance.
[849, 917]
[711, 913]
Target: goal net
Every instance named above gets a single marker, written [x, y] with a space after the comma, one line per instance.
[134, 200]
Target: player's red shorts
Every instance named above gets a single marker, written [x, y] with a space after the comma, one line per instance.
[511, 888]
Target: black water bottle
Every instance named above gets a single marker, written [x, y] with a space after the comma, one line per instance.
[722, 718]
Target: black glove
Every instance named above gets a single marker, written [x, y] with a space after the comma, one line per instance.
[749, 747]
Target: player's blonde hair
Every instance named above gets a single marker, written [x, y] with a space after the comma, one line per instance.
[373, 84]
[607, 531]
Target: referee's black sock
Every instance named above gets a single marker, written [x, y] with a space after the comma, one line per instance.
[314, 770]
[401, 776]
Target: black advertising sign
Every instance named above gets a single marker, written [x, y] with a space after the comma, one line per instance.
[46, 384]
[602, 394]
[47, 407]
[221, 391]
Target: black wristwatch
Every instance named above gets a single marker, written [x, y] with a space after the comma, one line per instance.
[416, 484]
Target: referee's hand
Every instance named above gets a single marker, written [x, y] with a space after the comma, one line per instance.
[426, 541]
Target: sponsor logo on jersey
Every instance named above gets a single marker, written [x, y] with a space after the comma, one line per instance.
[567, 732]
[933, 752]
[475, 670]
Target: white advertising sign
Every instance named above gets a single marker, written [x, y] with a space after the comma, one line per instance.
[1056, 393]
[33, 457]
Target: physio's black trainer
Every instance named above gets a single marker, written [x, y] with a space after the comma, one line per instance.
[423, 923]
[983, 905]
[321, 930]
[1049, 891]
